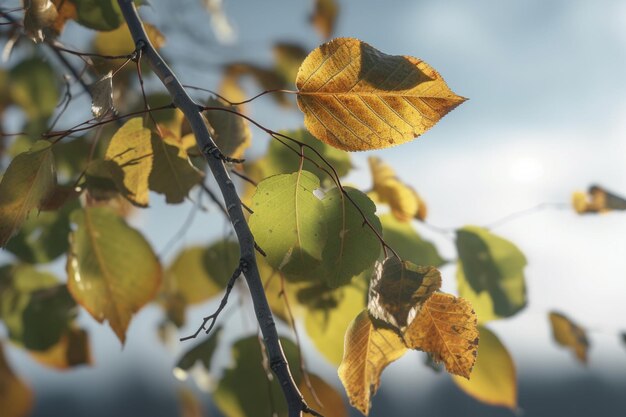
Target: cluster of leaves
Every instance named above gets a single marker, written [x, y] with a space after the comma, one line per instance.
[365, 284]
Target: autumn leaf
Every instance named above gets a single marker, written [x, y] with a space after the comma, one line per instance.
[357, 98]
[131, 151]
[73, 349]
[570, 335]
[332, 404]
[324, 17]
[490, 273]
[288, 221]
[368, 351]
[172, 173]
[26, 184]
[16, 398]
[493, 380]
[231, 132]
[112, 270]
[446, 327]
[403, 200]
[597, 200]
[399, 288]
[39, 17]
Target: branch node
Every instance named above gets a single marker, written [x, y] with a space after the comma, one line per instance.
[213, 151]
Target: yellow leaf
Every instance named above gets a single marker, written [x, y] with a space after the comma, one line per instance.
[190, 406]
[66, 11]
[493, 379]
[569, 334]
[446, 327]
[120, 42]
[112, 270]
[188, 277]
[324, 17]
[597, 200]
[404, 202]
[332, 404]
[131, 150]
[368, 350]
[72, 350]
[16, 398]
[357, 98]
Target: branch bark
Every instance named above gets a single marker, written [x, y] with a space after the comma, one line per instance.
[191, 110]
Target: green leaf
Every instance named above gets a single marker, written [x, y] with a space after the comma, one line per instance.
[131, 151]
[102, 15]
[351, 247]
[398, 288]
[490, 273]
[245, 390]
[220, 261]
[18, 284]
[288, 222]
[47, 317]
[26, 184]
[328, 317]
[43, 238]
[202, 352]
[172, 173]
[112, 270]
[493, 380]
[282, 160]
[230, 131]
[33, 86]
[403, 238]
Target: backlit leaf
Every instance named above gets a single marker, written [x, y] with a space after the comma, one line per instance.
[403, 200]
[101, 15]
[356, 98]
[490, 274]
[73, 349]
[324, 17]
[131, 150]
[172, 173]
[188, 277]
[446, 327]
[570, 335]
[597, 200]
[328, 315]
[102, 96]
[245, 389]
[493, 380]
[16, 398]
[368, 350]
[333, 405]
[118, 41]
[288, 221]
[25, 186]
[39, 17]
[352, 246]
[403, 238]
[398, 288]
[112, 270]
[230, 131]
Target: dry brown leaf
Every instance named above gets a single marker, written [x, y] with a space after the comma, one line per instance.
[403, 200]
[368, 350]
[568, 334]
[324, 17]
[357, 98]
[66, 11]
[446, 327]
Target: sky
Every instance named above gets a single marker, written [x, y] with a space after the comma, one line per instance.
[546, 116]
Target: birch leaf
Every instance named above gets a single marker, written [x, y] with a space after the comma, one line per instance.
[368, 351]
[131, 151]
[357, 98]
[324, 17]
[39, 17]
[288, 221]
[102, 96]
[112, 270]
[398, 287]
[446, 327]
[16, 398]
[403, 200]
[332, 403]
[597, 200]
[26, 184]
[230, 131]
[403, 238]
[493, 380]
[570, 335]
[73, 349]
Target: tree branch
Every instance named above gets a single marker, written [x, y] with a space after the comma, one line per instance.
[190, 109]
